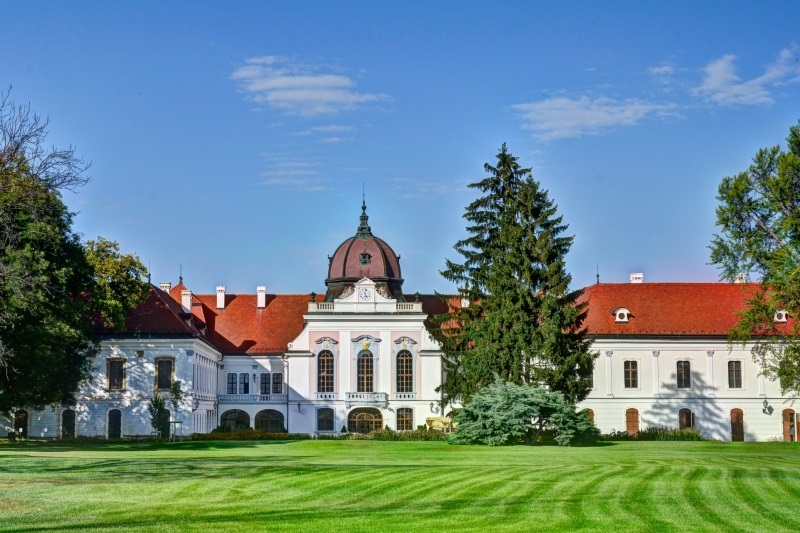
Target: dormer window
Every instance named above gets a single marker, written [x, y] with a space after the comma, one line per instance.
[621, 315]
[365, 258]
[781, 316]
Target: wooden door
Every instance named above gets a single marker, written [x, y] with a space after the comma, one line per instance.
[789, 426]
[114, 424]
[632, 421]
[737, 425]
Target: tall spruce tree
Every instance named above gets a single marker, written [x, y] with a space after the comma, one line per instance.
[518, 318]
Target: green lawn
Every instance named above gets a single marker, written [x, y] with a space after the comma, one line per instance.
[330, 486]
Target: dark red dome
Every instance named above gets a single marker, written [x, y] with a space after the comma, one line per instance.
[364, 255]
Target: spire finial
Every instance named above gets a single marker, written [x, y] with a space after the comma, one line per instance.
[364, 230]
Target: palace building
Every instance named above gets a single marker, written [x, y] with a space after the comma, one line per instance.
[360, 357]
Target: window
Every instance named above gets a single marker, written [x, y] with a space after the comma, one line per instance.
[115, 370]
[232, 383]
[405, 372]
[631, 375]
[264, 389]
[325, 419]
[632, 421]
[734, 374]
[684, 375]
[325, 377]
[164, 369]
[405, 419]
[277, 383]
[590, 380]
[244, 383]
[270, 420]
[686, 419]
[365, 372]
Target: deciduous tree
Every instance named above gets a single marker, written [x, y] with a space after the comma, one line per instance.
[54, 290]
[759, 220]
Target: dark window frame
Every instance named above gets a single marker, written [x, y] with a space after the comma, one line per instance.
[163, 383]
[323, 423]
[115, 377]
[735, 374]
[244, 383]
[405, 419]
[684, 374]
[631, 369]
[233, 383]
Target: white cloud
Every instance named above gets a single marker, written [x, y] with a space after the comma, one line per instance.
[331, 128]
[562, 117]
[661, 70]
[299, 89]
[723, 86]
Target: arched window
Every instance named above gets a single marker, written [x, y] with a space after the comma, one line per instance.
[364, 420]
[632, 421]
[68, 424]
[114, 424]
[366, 372]
[405, 419]
[325, 374]
[324, 419]
[235, 420]
[737, 425]
[405, 371]
[686, 418]
[21, 423]
[270, 420]
[590, 415]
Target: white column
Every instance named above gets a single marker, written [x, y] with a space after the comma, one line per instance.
[710, 384]
[656, 383]
[609, 372]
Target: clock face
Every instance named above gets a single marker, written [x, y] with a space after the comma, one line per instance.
[364, 294]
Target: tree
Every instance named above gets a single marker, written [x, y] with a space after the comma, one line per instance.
[159, 415]
[759, 218]
[55, 292]
[506, 413]
[521, 320]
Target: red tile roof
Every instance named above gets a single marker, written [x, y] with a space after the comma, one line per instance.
[666, 309]
[657, 309]
[243, 328]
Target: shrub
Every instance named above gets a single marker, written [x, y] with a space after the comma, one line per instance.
[419, 434]
[658, 433]
[249, 434]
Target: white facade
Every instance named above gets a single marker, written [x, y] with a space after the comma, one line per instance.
[721, 379]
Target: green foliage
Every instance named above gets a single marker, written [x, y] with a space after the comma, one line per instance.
[759, 220]
[159, 416]
[419, 434]
[658, 433]
[522, 321]
[248, 434]
[54, 291]
[505, 413]
[118, 284]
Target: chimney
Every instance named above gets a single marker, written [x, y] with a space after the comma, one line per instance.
[186, 301]
[262, 296]
[220, 296]
[637, 277]
[166, 286]
[741, 277]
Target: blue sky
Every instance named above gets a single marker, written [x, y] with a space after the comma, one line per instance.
[234, 139]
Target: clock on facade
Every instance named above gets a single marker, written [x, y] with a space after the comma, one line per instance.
[364, 294]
